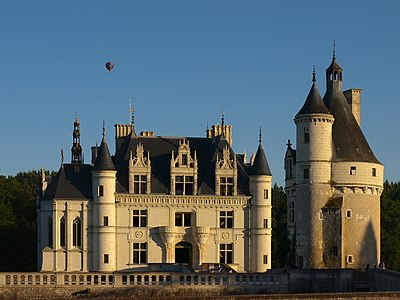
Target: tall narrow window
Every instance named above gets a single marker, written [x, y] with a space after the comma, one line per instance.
[226, 219]
[374, 172]
[291, 211]
[184, 159]
[265, 223]
[139, 184]
[183, 219]
[106, 258]
[265, 259]
[50, 232]
[306, 135]
[306, 173]
[265, 194]
[226, 186]
[101, 191]
[105, 221]
[140, 218]
[139, 253]
[77, 233]
[226, 253]
[62, 232]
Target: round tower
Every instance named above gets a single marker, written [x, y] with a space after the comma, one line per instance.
[104, 211]
[260, 213]
[313, 177]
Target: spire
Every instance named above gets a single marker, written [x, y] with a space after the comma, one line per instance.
[334, 73]
[104, 129]
[260, 165]
[76, 150]
[313, 103]
[223, 118]
[62, 157]
[314, 75]
[132, 113]
[103, 160]
[334, 50]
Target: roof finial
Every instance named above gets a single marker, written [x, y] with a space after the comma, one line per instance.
[207, 126]
[104, 128]
[314, 75]
[223, 118]
[260, 139]
[62, 156]
[289, 144]
[131, 110]
[334, 49]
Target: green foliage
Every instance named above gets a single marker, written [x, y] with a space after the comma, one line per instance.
[18, 221]
[280, 241]
[390, 225]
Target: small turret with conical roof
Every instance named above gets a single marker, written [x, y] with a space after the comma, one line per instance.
[103, 160]
[260, 212]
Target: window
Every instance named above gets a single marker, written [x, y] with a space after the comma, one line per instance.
[105, 221]
[265, 259]
[183, 219]
[140, 218]
[139, 253]
[184, 185]
[291, 211]
[184, 159]
[106, 260]
[226, 219]
[306, 135]
[306, 173]
[50, 232]
[374, 172]
[101, 191]
[349, 213]
[350, 259]
[62, 232]
[353, 170]
[265, 194]
[265, 223]
[139, 184]
[226, 186]
[226, 253]
[334, 251]
[77, 233]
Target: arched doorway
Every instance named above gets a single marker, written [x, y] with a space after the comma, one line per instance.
[184, 253]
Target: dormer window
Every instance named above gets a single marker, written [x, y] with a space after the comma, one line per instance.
[226, 174]
[139, 172]
[183, 171]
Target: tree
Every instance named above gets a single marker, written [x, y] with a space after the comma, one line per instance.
[280, 241]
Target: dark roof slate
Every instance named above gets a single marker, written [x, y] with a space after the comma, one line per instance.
[313, 103]
[260, 165]
[103, 160]
[68, 184]
[349, 142]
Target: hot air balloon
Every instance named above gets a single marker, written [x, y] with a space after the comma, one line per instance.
[109, 66]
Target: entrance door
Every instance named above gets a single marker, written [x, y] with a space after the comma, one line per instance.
[183, 253]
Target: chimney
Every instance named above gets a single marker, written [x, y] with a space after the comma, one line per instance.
[353, 97]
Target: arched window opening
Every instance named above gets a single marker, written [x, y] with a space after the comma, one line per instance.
[62, 232]
[77, 233]
[335, 76]
[50, 232]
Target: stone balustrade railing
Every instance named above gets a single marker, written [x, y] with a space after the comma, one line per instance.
[143, 279]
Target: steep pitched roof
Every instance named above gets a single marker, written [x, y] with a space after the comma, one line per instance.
[313, 103]
[160, 149]
[103, 160]
[348, 140]
[260, 165]
[68, 184]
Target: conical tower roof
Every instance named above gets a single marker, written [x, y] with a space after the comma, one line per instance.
[313, 103]
[103, 160]
[260, 165]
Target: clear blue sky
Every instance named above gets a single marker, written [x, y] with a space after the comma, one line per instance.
[182, 62]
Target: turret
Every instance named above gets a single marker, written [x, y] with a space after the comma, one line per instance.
[76, 150]
[313, 175]
[260, 212]
[104, 212]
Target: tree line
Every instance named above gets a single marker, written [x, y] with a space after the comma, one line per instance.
[18, 202]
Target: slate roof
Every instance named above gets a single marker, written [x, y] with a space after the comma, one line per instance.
[349, 143]
[313, 103]
[103, 160]
[71, 185]
[260, 165]
[160, 149]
